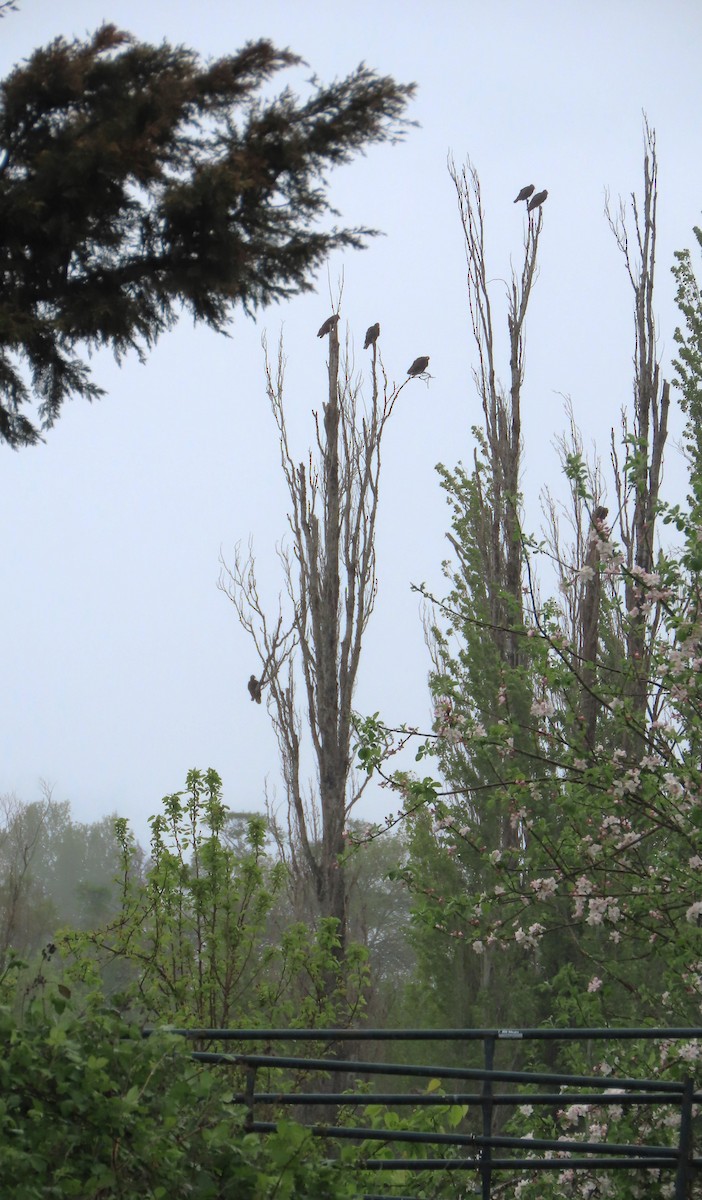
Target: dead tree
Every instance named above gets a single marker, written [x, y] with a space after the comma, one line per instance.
[330, 580]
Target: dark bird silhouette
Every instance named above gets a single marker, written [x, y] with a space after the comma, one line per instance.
[328, 325]
[525, 193]
[537, 201]
[600, 513]
[419, 366]
[372, 335]
[254, 686]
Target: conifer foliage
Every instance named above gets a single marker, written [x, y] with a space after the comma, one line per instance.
[136, 181]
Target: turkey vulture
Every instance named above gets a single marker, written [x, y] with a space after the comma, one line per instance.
[254, 686]
[372, 335]
[328, 325]
[419, 366]
[537, 201]
[525, 193]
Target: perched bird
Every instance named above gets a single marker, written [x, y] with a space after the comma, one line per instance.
[254, 686]
[419, 366]
[372, 335]
[600, 513]
[525, 193]
[537, 201]
[328, 325]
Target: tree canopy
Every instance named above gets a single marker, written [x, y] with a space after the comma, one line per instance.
[136, 181]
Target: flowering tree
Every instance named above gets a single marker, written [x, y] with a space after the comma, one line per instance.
[588, 745]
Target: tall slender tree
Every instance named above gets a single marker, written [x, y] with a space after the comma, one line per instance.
[639, 480]
[477, 637]
[330, 580]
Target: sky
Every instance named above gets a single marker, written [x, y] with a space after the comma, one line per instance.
[122, 664]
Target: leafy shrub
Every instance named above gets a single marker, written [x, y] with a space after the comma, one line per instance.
[91, 1108]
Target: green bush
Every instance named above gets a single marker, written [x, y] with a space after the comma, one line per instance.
[90, 1108]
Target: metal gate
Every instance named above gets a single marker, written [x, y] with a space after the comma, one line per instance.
[482, 1157]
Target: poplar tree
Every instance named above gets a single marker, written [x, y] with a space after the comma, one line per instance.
[595, 879]
[331, 582]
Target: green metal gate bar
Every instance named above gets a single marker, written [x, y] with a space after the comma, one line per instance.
[583, 1155]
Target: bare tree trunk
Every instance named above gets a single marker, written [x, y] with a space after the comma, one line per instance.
[319, 633]
[331, 584]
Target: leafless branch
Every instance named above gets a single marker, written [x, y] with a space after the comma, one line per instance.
[329, 571]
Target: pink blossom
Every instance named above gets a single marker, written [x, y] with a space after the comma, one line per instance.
[673, 786]
[543, 887]
[573, 1114]
[582, 889]
[442, 709]
[595, 984]
[529, 938]
[629, 839]
[596, 910]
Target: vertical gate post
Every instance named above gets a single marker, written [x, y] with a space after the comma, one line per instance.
[487, 1107]
[249, 1090]
[683, 1177]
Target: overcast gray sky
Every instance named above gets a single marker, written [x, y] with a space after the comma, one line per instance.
[122, 664]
